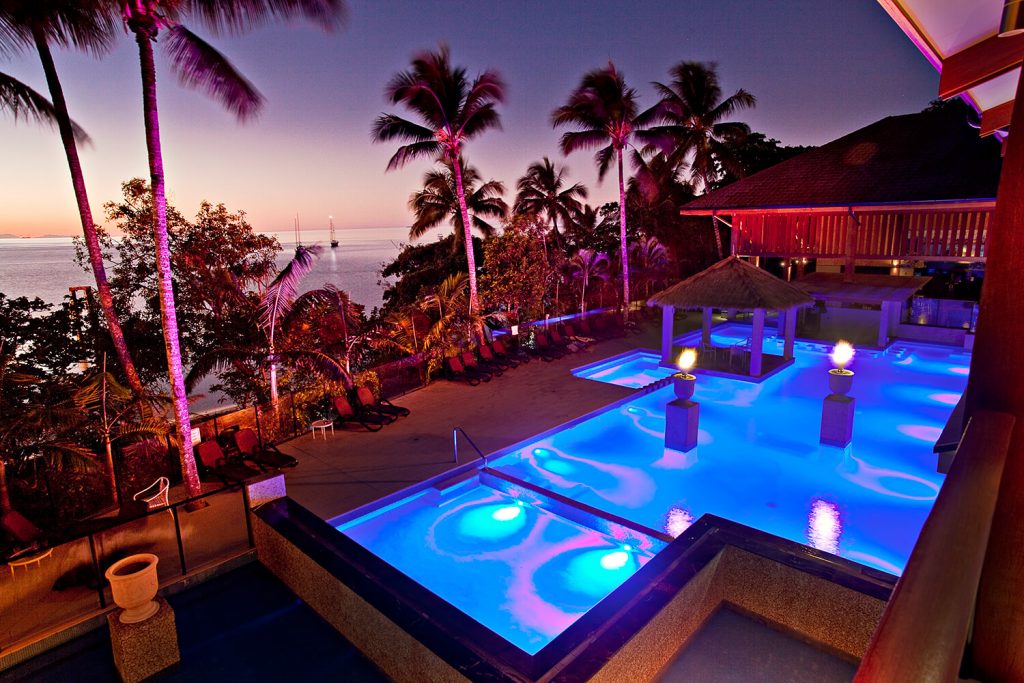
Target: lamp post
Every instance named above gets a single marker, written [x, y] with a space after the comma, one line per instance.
[837, 409]
[682, 416]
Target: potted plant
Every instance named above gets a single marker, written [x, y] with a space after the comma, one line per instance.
[134, 583]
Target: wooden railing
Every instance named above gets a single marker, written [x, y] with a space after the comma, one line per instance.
[924, 629]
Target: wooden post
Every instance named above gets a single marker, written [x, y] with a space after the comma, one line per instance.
[787, 349]
[757, 343]
[851, 245]
[997, 383]
[668, 319]
[705, 326]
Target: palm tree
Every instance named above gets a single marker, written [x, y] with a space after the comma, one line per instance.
[692, 112]
[439, 200]
[542, 192]
[604, 111]
[585, 265]
[650, 261]
[452, 111]
[86, 25]
[197, 64]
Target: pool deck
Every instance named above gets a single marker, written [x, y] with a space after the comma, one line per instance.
[352, 468]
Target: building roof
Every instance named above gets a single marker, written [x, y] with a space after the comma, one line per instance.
[866, 288]
[931, 156]
[732, 283]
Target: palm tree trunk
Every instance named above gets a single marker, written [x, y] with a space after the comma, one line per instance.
[5, 496]
[108, 464]
[468, 232]
[705, 180]
[92, 242]
[168, 312]
[623, 247]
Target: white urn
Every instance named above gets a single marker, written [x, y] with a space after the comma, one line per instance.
[134, 583]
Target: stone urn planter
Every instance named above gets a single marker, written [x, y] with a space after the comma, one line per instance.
[840, 381]
[683, 385]
[134, 583]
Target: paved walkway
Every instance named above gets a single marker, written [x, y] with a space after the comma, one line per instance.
[352, 468]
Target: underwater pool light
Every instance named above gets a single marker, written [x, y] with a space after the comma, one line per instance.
[507, 513]
[615, 560]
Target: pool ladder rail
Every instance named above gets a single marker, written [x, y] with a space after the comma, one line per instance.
[455, 442]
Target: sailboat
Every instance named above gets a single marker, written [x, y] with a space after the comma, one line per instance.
[334, 240]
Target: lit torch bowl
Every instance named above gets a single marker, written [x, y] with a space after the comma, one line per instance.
[840, 381]
[683, 384]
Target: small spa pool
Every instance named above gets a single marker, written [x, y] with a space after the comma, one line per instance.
[523, 572]
[633, 369]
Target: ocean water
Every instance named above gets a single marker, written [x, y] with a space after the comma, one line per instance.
[45, 267]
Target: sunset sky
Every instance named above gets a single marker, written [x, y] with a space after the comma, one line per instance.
[818, 68]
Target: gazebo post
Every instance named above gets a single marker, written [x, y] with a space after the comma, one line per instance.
[787, 348]
[757, 343]
[705, 327]
[668, 319]
[883, 324]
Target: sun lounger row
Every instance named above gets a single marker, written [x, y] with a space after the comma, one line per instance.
[245, 460]
[489, 361]
[366, 410]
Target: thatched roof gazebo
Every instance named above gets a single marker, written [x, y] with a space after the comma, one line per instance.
[734, 284]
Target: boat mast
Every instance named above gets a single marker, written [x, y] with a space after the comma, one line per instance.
[334, 240]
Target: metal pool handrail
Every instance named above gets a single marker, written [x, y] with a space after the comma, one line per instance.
[455, 440]
[925, 626]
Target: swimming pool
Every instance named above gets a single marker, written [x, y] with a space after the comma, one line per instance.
[758, 460]
[633, 369]
[517, 568]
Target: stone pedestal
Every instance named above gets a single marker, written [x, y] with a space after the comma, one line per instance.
[147, 647]
[837, 420]
[682, 418]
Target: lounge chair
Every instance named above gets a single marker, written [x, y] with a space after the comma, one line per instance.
[21, 531]
[469, 362]
[560, 342]
[509, 353]
[264, 456]
[488, 356]
[346, 413]
[544, 348]
[366, 398]
[216, 464]
[570, 332]
[457, 371]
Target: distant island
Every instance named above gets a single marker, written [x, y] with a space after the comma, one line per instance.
[11, 236]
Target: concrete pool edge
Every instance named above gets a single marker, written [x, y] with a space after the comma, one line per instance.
[410, 632]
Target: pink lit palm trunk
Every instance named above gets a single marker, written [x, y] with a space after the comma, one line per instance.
[467, 230]
[623, 247]
[92, 242]
[5, 496]
[163, 259]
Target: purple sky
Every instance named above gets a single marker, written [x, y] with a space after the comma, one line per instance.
[819, 68]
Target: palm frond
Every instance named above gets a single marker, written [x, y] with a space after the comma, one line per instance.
[239, 16]
[280, 294]
[199, 65]
[24, 102]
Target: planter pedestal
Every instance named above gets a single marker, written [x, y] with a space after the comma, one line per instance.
[837, 420]
[145, 648]
[682, 419]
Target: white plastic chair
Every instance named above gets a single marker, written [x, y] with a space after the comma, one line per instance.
[156, 494]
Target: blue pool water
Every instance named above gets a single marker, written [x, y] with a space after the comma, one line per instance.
[634, 369]
[758, 460]
[519, 570]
